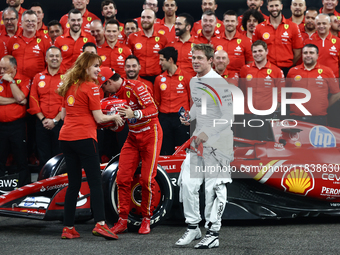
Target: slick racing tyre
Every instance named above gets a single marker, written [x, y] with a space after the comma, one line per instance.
[55, 166]
[162, 202]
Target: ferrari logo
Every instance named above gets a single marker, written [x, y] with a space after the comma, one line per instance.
[120, 50]
[286, 26]
[128, 93]
[218, 25]
[45, 32]
[156, 38]
[239, 41]
[120, 28]
[89, 19]
[225, 76]
[180, 78]
[38, 40]
[61, 76]
[333, 40]
[85, 40]
[320, 71]
[18, 81]
[269, 71]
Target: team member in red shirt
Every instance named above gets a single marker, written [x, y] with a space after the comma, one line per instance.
[54, 30]
[298, 8]
[252, 5]
[171, 92]
[41, 28]
[81, 112]
[334, 29]
[109, 11]
[236, 45]
[208, 23]
[262, 76]
[251, 18]
[132, 68]
[10, 19]
[14, 89]
[45, 103]
[319, 80]
[309, 26]
[15, 4]
[145, 45]
[143, 143]
[167, 24]
[221, 61]
[328, 44]
[329, 7]
[184, 41]
[72, 41]
[282, 37]
[130, 26]
[97, 31]
[149, 4]
[28, 48]
[87, 17]
[112, 52]
[208, 5]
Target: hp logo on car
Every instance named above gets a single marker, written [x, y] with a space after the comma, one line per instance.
[320, 136]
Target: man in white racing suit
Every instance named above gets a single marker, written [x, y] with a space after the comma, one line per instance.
[211, 150]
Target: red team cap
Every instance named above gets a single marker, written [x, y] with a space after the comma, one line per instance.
[105, 74]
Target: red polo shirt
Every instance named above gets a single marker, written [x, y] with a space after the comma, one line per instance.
[238, 49]
[43, 31]
[172, 92]
[262, 81]
[5, 37]
[3, 49]
[169, 32]
[139, 19]
[146, 50]
[184, 59]
[328, 50]
[335, 12]
[301, 25]
[88, 17]
[231, 76]
[15, 111]
[202, 39]
[114, 58]
[320, 81]
[29, 53]
[71, 49]
[197, 28]
[281, 41]
[43, 96]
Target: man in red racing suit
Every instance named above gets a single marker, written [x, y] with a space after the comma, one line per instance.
[143, 143]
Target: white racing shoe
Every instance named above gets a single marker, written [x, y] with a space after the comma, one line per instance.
[209, 241]
[190, 235]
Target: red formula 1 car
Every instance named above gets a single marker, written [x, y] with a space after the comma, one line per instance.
[295, 174]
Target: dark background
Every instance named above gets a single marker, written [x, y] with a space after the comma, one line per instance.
[54, 9]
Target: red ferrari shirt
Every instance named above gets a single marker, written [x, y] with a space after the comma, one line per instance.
[172, 92]
[88, 17]
[262, 81]
[301, 25]
[146, 82]
[281, 41]
[42, 31]
[12, 112]
[5, 37]
[320, 82]
[202, 39]
[238, 49]
[114, 58]
[197, 28]
[3, 49]
[79, 103]
[146, 50]
[139, 99]
[231, 76]
[139, 19]
[43, 96]
[71, 49]
[29, 53]
[184, 59]
[240, 28]
[328, 50]
[169, 32]
[335, 12]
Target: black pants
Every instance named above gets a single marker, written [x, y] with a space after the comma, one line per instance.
[47, 141]
[13, 138]
[78, 154]
[174, 133]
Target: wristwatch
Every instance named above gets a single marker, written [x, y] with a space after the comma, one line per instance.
[135, 114]
[55, 122]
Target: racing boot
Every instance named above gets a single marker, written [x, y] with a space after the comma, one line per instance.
[209, 241]
[120, 226]
[69, 233]
[193, 233]
[145, 226]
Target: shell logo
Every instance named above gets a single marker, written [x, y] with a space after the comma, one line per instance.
[138, 46]
[163, 86]
[298, 180]
[219, 47]
[298, 144]
[162, 32]
[266, 36]
[70, 100]
[41, 84]
[249, 77]
[199, 31]
[68, 25]
[297, 78]
[1, 88]
[64, 48]
[103, 58]
[16, 46]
